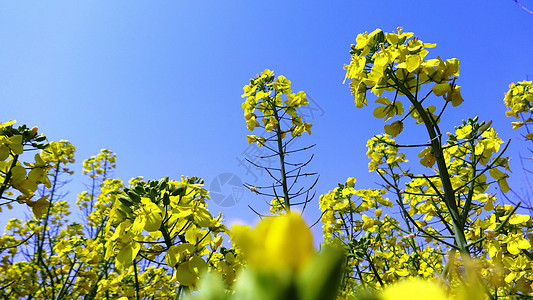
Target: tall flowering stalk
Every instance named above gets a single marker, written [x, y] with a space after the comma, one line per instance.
[444, 210]
[264, 102]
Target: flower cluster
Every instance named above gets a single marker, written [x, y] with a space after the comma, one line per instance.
[439, 213]
[519, 101]
[19, 180]
[264, 94]
[382, 150]
[397, 62]
[164, 217]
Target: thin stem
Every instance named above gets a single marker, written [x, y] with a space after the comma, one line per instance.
[449, 194]
[281, 154]
[136, 279]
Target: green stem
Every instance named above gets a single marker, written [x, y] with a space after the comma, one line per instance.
[136, 279]
[5, 184]
[449, 194]
[166, 235]
[42, 237]
[374, 270]
[281, 154]
[468, 202]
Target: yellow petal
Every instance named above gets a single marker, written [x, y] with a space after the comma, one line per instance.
[394, 129]
[518, 219]
[413, 62]
[39, 207]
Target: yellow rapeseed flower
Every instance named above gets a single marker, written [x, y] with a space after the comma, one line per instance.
[414, 289]
[276, 243]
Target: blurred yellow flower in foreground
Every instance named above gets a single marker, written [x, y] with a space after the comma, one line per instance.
[414, 289]
[277, 243]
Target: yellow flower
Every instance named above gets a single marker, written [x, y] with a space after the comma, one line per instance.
[414, 289]
[282, 84]
[276, 243]
[463, 132]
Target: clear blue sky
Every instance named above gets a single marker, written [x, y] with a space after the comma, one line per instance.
[159, 83]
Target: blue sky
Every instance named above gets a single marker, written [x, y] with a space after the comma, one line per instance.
[159, 83]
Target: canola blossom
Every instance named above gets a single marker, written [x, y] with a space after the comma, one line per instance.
[277, 243]
[265, 101]
[445, 210]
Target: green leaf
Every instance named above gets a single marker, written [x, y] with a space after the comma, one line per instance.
[211, 287]
[134, 196]
[126, 201]
[179, 191]
[166, 199]
[321, 278]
